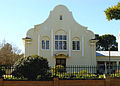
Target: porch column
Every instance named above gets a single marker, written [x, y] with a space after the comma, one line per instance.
[117, 65]
[105, 67]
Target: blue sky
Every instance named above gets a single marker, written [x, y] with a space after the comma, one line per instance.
[18, 16]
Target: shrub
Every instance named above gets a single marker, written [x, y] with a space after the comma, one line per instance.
[83, 72]
[58, 69]
[2, 71]
[30, 67]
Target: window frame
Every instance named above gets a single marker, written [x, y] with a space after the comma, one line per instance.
[63, 41]
[76, 46]
[45, 46]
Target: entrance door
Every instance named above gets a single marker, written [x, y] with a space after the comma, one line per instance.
[61, 61]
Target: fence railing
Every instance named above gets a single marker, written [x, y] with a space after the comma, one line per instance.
[68, 72]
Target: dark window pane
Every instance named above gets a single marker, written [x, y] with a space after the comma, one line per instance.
[56, 37]
[43, 44]
[73, 45]
[47, 44]
[78, 45]
[60, 17]
[64, 45]
[56, 45]
[60, 45]
[62, 61]
[58, 62]
[60, 37]
[64, 37]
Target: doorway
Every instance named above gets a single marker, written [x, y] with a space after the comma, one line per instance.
[61, 61]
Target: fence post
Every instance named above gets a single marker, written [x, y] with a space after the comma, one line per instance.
[107, 81]
[56, 81]
[1, 82]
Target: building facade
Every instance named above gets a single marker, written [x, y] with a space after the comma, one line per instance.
[61, 40]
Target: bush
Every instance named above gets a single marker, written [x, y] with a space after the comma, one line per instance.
[57, 70]
[30, 67]
[2, 71]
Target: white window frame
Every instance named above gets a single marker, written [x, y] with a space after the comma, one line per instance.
[45, 45]
[76, 45]
[62, 40]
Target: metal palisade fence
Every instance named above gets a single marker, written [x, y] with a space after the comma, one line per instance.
[68, 72]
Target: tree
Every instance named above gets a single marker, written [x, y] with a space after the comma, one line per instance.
[113, 12]
[31, 67]
[105, 42]
[9, 54]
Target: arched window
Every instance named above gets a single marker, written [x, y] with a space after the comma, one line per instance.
[45, 43]
[60, 40]
[75, 44]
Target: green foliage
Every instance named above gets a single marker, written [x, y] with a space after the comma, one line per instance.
[83, 74]
[11, 77]
[116, 74]
[30, 67]
[113, 12]
[2, 71]
[57, 69]
[105, 42]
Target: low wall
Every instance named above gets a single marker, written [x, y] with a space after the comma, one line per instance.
[27, 83]
[57, 82]
[82, 83]
[115, 82]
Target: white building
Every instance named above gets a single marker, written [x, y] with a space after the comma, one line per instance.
[63, 41]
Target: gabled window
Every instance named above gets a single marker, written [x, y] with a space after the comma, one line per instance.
[45, 44]
[60, 17]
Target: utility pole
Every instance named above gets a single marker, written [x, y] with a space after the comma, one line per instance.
[109, 61]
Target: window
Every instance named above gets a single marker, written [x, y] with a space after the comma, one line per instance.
[76, 45]
[60, 42]
[60, 17]
[61, 61]
[45, 44]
